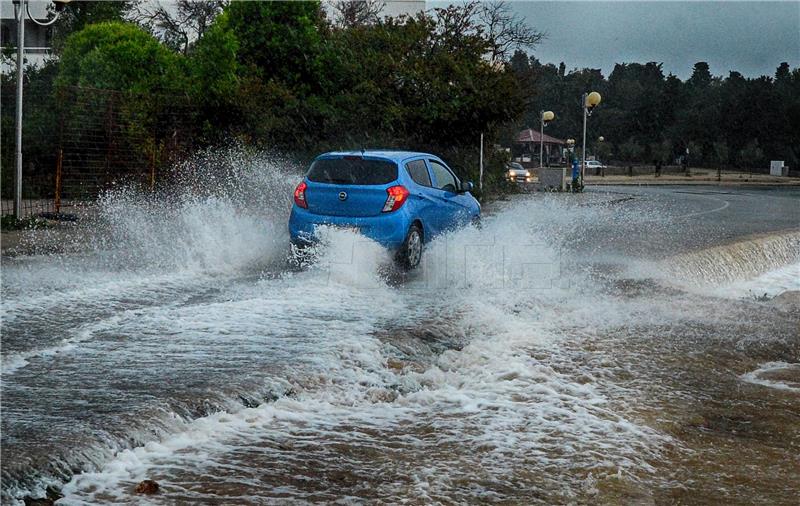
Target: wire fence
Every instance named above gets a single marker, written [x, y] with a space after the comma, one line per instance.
[82, 141]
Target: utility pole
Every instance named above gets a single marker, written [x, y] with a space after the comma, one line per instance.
[20, 72]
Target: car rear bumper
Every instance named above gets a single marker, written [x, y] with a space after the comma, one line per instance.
[389, 229]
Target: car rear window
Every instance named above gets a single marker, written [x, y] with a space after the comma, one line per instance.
[352, 171]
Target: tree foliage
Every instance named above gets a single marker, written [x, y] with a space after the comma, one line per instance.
[716, 118]
[505, 30]
[283, 76]
[119, 56]
[180, 27]
[350, 13]
[419, 80]
[77, 15]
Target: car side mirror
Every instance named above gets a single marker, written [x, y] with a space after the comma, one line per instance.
[466, 187]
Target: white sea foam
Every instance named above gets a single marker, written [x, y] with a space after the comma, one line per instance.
[756, 377]
[770, 283]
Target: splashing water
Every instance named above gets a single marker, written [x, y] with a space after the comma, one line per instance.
[523, 360]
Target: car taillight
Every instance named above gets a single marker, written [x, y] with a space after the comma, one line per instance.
[300, 195]
[397, 196]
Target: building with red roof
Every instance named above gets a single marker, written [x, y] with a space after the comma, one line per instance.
[529, 142]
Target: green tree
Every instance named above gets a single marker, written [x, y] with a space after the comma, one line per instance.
[751, 155]
[77, 15]
[213, 66]
[720, 154]
[661, 151]
[215, 83]
[120, 56]
[281, 41]
[603, 151]
[631, 151]
[701, 75]
[695, 156]
[114, 71]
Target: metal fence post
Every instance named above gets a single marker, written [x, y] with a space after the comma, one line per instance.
[480, 177]
[59, 165]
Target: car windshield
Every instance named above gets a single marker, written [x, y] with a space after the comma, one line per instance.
[352, 171]
[516, 166]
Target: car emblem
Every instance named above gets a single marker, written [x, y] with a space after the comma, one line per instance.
[342, 196]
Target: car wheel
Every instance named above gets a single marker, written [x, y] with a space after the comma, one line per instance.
[410, 253]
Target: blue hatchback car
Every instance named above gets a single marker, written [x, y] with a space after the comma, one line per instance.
[400, 199]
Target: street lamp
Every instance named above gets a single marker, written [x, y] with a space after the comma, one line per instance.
[570, 147]
[590, 101]
[21, 9]
[544, 118]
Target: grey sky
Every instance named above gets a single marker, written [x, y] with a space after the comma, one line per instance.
[750, 37]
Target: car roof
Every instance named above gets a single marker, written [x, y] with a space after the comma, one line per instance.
[393, 155]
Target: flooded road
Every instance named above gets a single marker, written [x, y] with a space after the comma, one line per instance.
[620, 346]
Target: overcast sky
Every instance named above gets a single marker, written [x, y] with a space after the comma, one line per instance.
[750, 37]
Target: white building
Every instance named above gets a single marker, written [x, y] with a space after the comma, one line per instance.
[37, 38]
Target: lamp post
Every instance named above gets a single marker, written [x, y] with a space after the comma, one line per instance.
[544, 118]
[21, 9]
[590, 101]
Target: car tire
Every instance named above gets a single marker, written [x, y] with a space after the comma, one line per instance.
[410, 253]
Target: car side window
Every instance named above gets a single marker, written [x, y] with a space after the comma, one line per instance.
[419, 172]
[445, 179]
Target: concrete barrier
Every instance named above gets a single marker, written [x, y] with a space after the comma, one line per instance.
[553, 179]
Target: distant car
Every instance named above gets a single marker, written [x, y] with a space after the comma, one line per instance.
[400, 199]
[517, 173]
[594, 165]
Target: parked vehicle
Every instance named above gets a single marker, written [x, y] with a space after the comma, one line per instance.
[594, 165]
[400, 199]
[517, 173]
